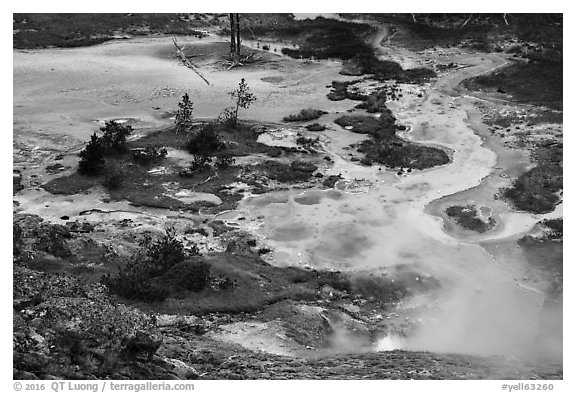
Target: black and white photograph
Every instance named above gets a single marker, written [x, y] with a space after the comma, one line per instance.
[286, 196]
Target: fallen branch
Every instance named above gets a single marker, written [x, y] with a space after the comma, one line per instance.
[239, 60]
[187, 62]
[466, 21]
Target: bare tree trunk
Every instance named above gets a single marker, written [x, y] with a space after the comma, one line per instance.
[414, 18]
[506, 19]
[232, 36]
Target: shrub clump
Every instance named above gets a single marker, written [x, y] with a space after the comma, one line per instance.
[113, 141]
[205, 141]
[52, 238]
[191, 275]
[149, 154]
[305, 115]
[315, 127]
[224, 162]
[161, 265]
[113, 181]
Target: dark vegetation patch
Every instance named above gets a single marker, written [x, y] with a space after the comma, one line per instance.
[376, 102]
[204, 141]
[537, 190]
[555, 228]
[386, 148]
[432, 30]
[149, 154]
[234, 281]
[320, 38]
[307, 143]
[479, 31]
[538, 38]
[295, 172]
[372, 103]
[316, 127]
[467, 217]
[17, 181]
[534, 117]
[128, 174]
[360, 124]
[161, 267]
[73, 30]
[340, 91]
[305, 115]
[398, 153]
[537, 82]
[323, 38]
[403, 281]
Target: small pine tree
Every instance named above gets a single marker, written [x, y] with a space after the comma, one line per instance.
[243, 100]
[114, 138]
[92, 157]
[183, 118]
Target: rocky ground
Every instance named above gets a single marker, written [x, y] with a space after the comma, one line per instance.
[329, 245]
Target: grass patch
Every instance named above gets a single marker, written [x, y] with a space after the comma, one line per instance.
[305, 115]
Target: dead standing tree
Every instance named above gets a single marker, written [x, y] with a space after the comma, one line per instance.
[236, 58]
[238, 47]
[235, 46]
[232, 36]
